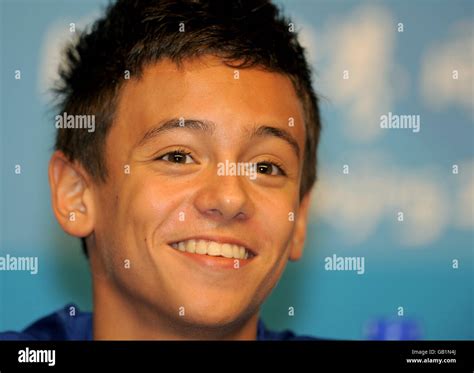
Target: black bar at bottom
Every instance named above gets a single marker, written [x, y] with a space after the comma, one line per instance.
[315, 356]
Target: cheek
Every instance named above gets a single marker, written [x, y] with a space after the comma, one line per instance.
[154, 208]
[278, 224]
[134, 215]
[149, 204]
[127, 207]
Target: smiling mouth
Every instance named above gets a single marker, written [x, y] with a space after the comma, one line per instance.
[213, 248]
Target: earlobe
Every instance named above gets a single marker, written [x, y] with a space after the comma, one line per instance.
[301, 222]
[71, 196]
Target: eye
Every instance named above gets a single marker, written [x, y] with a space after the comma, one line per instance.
[270, 168]
[177, 156]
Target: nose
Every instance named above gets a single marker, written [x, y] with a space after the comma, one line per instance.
[224, 198]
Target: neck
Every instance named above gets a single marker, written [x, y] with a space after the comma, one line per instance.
[118, 317]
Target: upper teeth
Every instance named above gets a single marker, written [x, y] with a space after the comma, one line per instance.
[212, 248]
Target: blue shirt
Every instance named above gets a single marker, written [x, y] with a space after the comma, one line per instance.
[61, 326]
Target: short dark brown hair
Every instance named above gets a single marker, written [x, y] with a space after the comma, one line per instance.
[135, 33]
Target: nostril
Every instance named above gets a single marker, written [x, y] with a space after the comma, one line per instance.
[214, 212]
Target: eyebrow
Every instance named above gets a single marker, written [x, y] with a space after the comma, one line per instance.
[209, 127]
[263, 131]
[171, 124]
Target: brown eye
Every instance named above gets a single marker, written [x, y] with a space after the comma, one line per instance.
[269, 168]
[177, 157]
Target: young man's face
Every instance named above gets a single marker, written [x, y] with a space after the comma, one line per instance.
[165, 187]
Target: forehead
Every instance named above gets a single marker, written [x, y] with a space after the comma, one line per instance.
[207, 88]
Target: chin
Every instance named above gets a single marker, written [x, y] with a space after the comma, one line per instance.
[215, 315]
[214, 324]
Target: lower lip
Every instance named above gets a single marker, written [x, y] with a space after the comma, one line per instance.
[215, 261]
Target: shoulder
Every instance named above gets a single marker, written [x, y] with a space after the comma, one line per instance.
[67, 323]
[264, 334]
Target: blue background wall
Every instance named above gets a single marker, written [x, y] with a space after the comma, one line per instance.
[407, 264]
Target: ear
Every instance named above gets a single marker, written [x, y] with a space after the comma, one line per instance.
[71, 196]
[299, 234]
